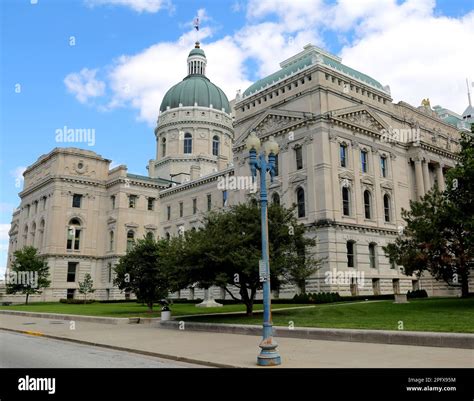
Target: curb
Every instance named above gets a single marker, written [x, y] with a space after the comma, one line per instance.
[132, 350]
[425, 339]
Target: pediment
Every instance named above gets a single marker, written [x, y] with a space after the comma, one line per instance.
[272, 122]
[131, 225]
[367, 180]
[362, 117]
[111, 220]
[346, 175]
[386, 185]
[297, 178]
[151, 227]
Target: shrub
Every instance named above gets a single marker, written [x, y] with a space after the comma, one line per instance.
[417, 294]
[76, 301]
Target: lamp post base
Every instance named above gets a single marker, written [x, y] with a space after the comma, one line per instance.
[269, 356]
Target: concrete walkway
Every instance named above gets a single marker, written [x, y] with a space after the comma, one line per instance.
[235, 350]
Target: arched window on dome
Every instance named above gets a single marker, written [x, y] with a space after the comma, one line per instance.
[163, 147]
[188, 143]
[215, 145]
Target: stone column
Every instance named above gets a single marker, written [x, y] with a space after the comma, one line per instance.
[440, 177]
[426, 176]
[420, 189]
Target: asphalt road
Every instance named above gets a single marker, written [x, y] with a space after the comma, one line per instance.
[25, 351]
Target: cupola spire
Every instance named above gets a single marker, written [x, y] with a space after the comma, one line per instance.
[197, 60]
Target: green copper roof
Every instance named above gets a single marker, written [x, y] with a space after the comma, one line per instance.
[304, 62]
[195, 89]
[197, 51]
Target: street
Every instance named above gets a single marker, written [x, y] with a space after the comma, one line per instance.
[26, 351]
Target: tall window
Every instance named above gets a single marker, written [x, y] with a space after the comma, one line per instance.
[346, 201]
[109, 266]
[364, 161]
[194, 206]
[74, 234]
[151, 203]
[276, 198]
[215, 145]
[130, 239]
[367, 204]
[28, 211]
[188, 143]
[132, 201]
[386, 207]
[300, 201]
[343, 154]
[112, 201]
[224, 198]
[209, 202]
[33, 233]
[36, 207]
[149, 235]
[111, 241]
[299, 157]
[181, 209]
[277, 171]
[372, 256]
[41, 234]
[71, 272]
[168, 212]
[44, 203]
[76, 200]
[383, 166]
[163, 147]
[350, 245]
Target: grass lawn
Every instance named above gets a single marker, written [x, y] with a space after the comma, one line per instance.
[127, 309]
[432, 314]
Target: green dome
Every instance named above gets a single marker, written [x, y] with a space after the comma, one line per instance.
[197, 52]
[195, 89]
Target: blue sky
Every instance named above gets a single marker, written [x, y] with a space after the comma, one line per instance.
[106, 64]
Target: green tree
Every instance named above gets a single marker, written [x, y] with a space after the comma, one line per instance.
[227, 249]
[28, 274]
[439, 227]
[143, 271]
[86, 286]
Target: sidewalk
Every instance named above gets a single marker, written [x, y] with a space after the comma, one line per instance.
[236, 350]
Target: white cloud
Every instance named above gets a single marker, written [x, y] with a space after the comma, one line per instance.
[17, 174]
[149, 6]
[84, 85]
[4, 228]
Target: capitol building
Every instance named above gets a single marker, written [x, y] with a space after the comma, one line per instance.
[350, 159]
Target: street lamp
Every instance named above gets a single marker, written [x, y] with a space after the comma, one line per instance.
[269, 355]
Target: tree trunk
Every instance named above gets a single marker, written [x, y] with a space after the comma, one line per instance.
[464, 283]
[27, 295]
[249, 307]
[302, 286]
[246, 300]
[150, 307]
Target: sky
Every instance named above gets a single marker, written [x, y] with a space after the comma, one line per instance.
[106, 64]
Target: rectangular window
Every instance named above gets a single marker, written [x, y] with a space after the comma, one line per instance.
[372, 256]
[44, 203]
[299, 157]
[376, 286]
[181, 209]
[109, 266]
[71, 272]
[363, 161]
[224, 198]
[168, 212]
[350, 253]
[194, 206]
[277, 165]
[112, 200]
[343, 155]
[132, 201]
[28, 211]
[209, 202]
[383, 166]
[73, 238]
[76, 200]
[70, 293]
[36, 207]
[151, 203]
[396, 285]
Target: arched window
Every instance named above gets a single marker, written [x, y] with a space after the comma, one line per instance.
[276, 198]
[41, 235]
[188, 143]
[130, 239]
[168, 235]
[111, 241]
[74, 234]
[300, 202]
[149, 235]
[383, 166]
[25, 235]
[215, 145]
[367, 204]
[277, 165]
[350, 247]
[346, 201]
[163, 147]
[373, 255]
[364, 160]
[386, 207]
[33, 233]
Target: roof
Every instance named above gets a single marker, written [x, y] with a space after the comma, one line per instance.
[305, 59]
[195, 89]
[159, 181]
[197, 52]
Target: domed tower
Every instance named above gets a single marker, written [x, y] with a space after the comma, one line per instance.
[194, 132]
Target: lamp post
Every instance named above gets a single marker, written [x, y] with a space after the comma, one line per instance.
[269, 355]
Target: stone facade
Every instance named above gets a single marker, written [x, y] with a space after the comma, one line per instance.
[349, 157]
